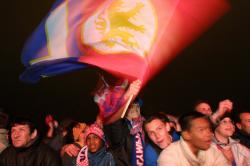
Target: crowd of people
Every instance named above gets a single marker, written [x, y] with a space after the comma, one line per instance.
[199, 137]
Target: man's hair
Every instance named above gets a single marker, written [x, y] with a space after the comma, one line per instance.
[186, 119]
[24, 121]
[4, 119]
[69, 137]
[226, 115]
[238, 113]
[64, 125]
[159, 116]
[198, 102]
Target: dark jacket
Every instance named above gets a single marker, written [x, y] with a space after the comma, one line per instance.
[56, 142]
[243, 137]
[119, 138]
[38, 154]
[101, 158]
[123, 142]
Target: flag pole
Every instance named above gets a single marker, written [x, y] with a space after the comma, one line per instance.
[126, 106]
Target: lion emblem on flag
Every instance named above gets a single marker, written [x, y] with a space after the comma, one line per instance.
[121, 26]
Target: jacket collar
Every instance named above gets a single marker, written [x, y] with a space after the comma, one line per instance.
[189, 155]
[230, 142]
[98, 154]
[35, 143]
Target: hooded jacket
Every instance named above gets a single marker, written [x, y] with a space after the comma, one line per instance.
[101, 158]
[243, 137]
[241, 153]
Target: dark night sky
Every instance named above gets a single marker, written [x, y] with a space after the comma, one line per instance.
[214, 67]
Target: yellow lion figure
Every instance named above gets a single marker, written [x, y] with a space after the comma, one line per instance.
[117, 21]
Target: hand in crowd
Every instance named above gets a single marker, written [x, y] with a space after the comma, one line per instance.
[70, 149]
[175, 124]
[51, 123]
[225, 106]
[133, 89]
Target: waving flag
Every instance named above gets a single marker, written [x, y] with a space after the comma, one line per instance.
[110, 98]
[132, 39]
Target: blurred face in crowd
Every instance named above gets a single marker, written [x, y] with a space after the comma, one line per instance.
[158, 132]
[244, 124]
[204, 108]
[94, 143]
[78, 130]
[134, 111]
[82, 136]
[199, 135]
[21, 136]
[225, 128]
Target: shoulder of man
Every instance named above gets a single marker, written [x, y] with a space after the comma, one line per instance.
[170, 155]
[171, 149]
[7, 155]
[10, 149]
[47, 152]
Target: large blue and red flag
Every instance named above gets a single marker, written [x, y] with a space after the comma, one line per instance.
[131, 39]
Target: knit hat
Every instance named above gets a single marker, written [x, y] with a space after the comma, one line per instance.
[226, 115]
[95, 129]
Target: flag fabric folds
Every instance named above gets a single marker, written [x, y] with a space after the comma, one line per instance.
[132, 39]
[110, 98]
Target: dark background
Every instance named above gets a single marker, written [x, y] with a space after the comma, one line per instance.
[214, 67]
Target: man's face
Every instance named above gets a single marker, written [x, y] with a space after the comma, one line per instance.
[21, 136]
[133, 111]
[199, 135]
[225, 128]
[244, 125]
[204, 108]
[94, 143]
[158, 133]
[78, 130]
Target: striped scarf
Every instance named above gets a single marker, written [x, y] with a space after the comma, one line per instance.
[136, 130]
[82, 158]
